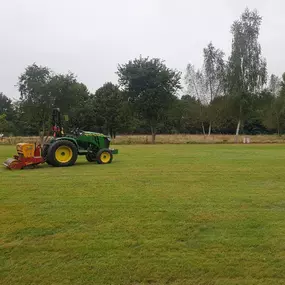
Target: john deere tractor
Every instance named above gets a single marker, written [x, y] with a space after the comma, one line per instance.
[63, 149]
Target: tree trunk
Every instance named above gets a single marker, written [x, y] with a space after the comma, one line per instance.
[210, 129]
[153, 134]
[239, 122]
[237, 130]
[278, 125]
[202, 123]
[203, 129]
[111, 133]
[42, 134]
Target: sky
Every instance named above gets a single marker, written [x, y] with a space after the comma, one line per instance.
[91, 37]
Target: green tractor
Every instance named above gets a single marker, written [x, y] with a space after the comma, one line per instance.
[63, 149]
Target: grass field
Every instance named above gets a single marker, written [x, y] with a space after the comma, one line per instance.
[163, 214]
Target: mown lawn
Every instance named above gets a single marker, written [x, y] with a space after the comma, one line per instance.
[170, 214]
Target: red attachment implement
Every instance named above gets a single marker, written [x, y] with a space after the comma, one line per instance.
[25, 159]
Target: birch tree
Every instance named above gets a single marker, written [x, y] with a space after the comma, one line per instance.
[197, 87]
[214, 71]
[247, 70]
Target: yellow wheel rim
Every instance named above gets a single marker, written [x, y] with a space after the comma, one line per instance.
[63, 154]
[105, 157]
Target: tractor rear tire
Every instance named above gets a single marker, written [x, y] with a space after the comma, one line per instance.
[104, 156]
[62, 153]
[45, 152]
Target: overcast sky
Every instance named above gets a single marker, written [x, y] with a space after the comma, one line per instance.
[90, 37]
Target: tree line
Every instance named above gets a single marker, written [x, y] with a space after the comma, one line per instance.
[223, 96]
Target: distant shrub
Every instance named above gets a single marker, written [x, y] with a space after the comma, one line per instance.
[167, 139]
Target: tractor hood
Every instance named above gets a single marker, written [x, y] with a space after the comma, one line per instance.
[93, 134]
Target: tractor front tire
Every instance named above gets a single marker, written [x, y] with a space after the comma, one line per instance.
[62, 153]
[104, 156]
[91, 157]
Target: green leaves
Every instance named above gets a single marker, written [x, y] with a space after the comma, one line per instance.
[5, 104]
[214, 70]
[151, 87]
[41, 90]
[4, 124]
[108, 103]
[247, 69]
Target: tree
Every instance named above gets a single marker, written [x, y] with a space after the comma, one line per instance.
[7, 113]
[275, 116]
[151, 87]
[223, 120]
[272, 118]
[71, 97]
[247, 70]
[214, 73]
[35, 96]
[3, 123]
[41, 90]
[108, 105]
[5, 105]
[67, 92]
[279, 107]
[197, 88]
[255, 122]
[83, 116]
[129, 120]
[190, 109]
[275, 85]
